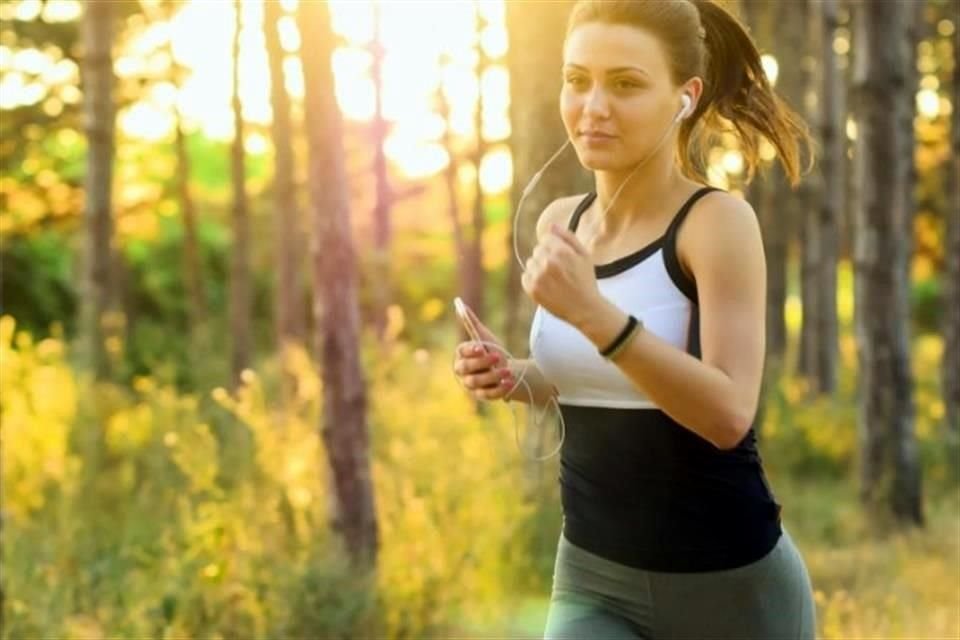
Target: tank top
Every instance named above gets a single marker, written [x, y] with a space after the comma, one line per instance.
[637, 487]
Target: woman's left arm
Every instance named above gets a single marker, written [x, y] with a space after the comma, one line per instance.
[715, 396]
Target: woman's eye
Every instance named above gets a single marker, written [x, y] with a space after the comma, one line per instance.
[626, 84]
[576, 81]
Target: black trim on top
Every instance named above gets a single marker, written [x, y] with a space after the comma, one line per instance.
[578, 212]
[667, 242]
[670, 259]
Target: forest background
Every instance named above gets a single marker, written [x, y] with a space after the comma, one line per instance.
[230, 233]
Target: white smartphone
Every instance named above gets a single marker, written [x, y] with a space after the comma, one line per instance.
[461, 308]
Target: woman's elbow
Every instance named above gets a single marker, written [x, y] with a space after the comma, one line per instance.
[734, 426]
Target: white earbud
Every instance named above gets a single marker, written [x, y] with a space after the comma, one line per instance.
[687, 102]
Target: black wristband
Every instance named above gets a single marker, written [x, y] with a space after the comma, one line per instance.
[621, 337]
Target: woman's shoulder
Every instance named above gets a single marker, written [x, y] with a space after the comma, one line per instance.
[717, 224]
[559, 212]
[720, 212]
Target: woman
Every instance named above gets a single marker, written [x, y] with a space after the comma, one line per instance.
[650, 326]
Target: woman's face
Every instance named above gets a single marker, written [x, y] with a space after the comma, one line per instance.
[618, 98]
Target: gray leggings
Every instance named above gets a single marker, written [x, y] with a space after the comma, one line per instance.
[594, 598]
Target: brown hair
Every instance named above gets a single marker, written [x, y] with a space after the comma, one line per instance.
[703, 39]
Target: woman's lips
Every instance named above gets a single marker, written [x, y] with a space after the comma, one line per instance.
[597, 137]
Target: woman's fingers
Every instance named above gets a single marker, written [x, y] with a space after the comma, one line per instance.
[470, 363]
[492, 378]
[486, 375]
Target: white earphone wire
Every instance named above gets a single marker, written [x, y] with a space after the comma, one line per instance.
[686, 101]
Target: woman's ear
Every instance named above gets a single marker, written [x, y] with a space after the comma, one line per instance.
[693, 88]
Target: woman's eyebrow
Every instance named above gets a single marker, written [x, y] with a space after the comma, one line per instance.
[572, 65]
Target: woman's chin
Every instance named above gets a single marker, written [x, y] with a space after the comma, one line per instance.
[593, 161]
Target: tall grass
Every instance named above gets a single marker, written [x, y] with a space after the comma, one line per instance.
[142, 511]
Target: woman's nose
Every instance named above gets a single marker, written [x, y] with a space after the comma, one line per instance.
[596, 104]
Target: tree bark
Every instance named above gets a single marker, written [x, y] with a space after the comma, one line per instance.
[344, 428]
[288, 304]
[951, 282]
[890, 471]
[476, 276]
[240, 263]
[97, 289]
[382, 231]
[832, 165]
[810, 194]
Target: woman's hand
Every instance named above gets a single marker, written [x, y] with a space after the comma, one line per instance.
[560, 277]
[483, 368]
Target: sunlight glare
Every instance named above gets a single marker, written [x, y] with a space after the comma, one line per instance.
[496, 171]
[928, 103]
[11, 86]
[147, 121]
[851, 128]
[289, 34]
[416, 36]
[293, 76]
[494, 41]
[353, 20]
[356, 98]
[31, 61]
[770, 67]
[255, 144]
[416, 159]
[28, 10]
[733, 162]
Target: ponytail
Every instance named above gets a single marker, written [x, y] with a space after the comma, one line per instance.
[737, 92]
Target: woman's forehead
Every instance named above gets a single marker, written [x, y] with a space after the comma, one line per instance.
[602, 48]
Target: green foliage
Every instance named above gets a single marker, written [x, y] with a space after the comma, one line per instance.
[144, 511]
[38, 287]
[926, 299]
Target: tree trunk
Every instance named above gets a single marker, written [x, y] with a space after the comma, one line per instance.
[240, 265]
[97, 295]
[192, 267]
[535, 55]
[951, 280]
[832, 166]
[476, 276]
[288, 304]
[344, 428]
[384, 196]
[890, 472]
[810, 193]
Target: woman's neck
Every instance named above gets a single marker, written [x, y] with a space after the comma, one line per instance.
[645, 193]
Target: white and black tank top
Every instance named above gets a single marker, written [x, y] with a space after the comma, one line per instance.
[637, 487]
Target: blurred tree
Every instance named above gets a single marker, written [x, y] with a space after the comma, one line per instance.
[811, 194]
[774, 224]
[536, 32]
[344, 429]
[951, 276]
[379, 128]
[826, 224]
[890, 471]
[192, 265]
[474, 283]
[240, 251]
[450, 182]
[288, 301]
[97, 297]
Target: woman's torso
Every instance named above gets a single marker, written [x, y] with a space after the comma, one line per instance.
[637, 487]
